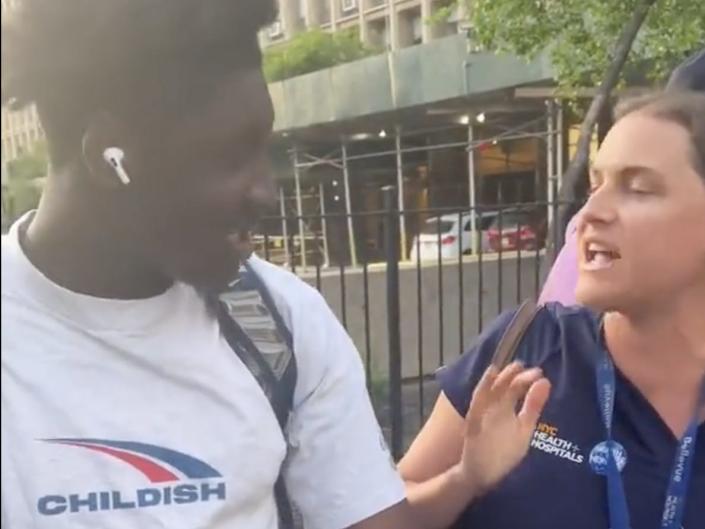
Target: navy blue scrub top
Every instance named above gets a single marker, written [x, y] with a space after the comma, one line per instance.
[555, 486]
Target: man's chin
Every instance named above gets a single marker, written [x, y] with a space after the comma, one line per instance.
[211, 276]
[209, 264]
[211, 285]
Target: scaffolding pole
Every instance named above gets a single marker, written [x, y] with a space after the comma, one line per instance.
[348, 204]
[400, 190]
[560, 151]
[304, 161]
[299, 208]
[285, 229]
[324, 225]
[471, 191]
[425, 148]
[550, 160]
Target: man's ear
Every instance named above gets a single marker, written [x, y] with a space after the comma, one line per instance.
[105, 132]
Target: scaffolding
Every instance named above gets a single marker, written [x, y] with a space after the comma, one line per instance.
[551, 132]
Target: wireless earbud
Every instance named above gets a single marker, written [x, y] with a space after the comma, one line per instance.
[113, 157]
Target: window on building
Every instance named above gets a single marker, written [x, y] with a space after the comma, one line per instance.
[449, 26]
[409, 28]
[325, 11]
[276, 30]
[378, 34]
[348, 5]
[417, 29]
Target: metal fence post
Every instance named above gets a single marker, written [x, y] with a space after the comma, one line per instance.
[391, 243]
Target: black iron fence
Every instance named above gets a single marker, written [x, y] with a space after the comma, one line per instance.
[415, 288]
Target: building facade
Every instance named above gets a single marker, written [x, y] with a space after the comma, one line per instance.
[390, 24]
[447, 125]
[20, 129]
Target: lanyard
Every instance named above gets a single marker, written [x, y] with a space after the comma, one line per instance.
[682, 466]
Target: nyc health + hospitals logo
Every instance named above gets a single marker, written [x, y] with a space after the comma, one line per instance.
[175, 478]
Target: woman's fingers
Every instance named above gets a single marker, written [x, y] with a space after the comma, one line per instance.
[505, 378]
[520, 385]
[502, 391]
[481, 399]
[535, 400]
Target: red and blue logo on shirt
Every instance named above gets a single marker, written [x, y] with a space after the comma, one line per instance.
[158, 464]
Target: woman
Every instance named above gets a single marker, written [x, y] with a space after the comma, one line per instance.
[561, 281]
[617, 443]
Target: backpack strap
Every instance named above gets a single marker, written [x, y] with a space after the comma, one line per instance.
[256, 332]
[509, 343]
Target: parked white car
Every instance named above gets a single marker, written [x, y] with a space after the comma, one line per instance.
[453, 233]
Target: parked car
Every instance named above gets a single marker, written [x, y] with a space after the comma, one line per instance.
[517, 230]
[453, 234]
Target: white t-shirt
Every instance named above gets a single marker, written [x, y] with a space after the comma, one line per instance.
[137, 414]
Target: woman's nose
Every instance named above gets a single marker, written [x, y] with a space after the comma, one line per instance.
[599, 208]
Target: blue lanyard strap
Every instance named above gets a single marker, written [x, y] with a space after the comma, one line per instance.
[682, 467]
[682, 470]
[616, 497]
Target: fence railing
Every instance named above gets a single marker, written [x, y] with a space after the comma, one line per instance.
[414, 288]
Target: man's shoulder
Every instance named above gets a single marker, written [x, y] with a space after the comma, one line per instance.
[9, 266]
[280, 282]
[293, 297]
[6, 248]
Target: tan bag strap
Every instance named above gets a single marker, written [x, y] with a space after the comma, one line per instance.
[508, 345]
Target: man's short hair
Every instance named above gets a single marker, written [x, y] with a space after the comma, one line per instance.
[75, 57]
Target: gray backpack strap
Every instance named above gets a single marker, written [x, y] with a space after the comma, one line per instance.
[509, 343]
[249, 303]
[255, 330]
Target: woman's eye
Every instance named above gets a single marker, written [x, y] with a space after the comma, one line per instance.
[640, 188]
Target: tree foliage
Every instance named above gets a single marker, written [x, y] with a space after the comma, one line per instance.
[30, 165]
[311, 51]
[25, 178]
[579, 35]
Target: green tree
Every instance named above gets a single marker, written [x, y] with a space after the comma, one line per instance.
[311, 51]
[30, 165]
[25, 179]
[591, 43]
[581, 36]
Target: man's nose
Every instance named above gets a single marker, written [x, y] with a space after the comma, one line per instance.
[262, 192]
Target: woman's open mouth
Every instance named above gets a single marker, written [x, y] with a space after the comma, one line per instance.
[599, 256]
